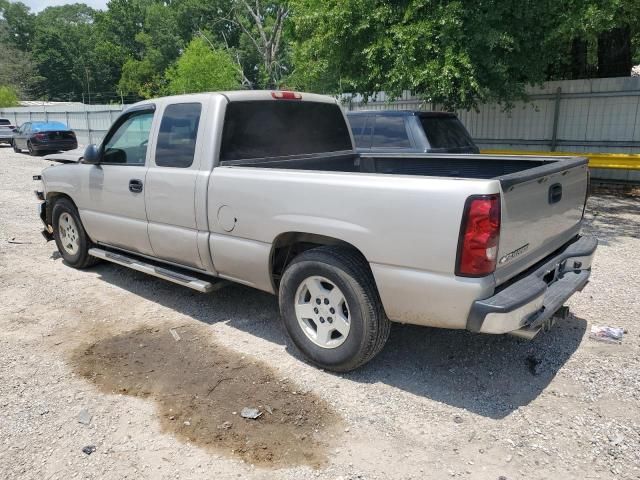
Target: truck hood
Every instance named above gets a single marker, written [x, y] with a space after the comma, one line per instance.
[71, 156]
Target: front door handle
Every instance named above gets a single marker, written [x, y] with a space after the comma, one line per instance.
[135, 185]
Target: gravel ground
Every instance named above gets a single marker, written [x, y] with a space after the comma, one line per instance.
[435, 404]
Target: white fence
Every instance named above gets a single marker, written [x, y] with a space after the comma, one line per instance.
[598, 115]
[90, 122]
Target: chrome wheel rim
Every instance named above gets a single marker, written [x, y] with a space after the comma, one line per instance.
[322, 312]
[68, 231]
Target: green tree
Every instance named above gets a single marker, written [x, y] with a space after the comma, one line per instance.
[454, 53]
[202, 68]
[17, 68]
[62, 48]
[8, 96]
[20, 23]
[261, 46]
[157, 45]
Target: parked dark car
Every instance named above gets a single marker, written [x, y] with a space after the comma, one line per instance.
[6, 131]
[410, 131]
[41, 137]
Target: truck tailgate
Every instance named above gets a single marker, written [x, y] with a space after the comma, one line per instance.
[541, 210]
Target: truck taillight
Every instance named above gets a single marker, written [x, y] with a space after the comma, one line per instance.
[479, 236]
[40, 136]
[284, 95]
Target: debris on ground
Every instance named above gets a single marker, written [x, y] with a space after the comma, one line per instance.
[607, 334]
[268, 409]
[84, 417]
[251, 413]
[174, 334]
[89, 449]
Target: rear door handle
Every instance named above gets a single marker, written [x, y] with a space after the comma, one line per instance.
[135, 185]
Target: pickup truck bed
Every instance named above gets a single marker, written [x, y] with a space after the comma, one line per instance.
[266, 189]
[423, 164]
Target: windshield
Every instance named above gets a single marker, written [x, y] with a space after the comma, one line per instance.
[445, 132]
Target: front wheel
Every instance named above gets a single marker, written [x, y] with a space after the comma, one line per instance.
[72, 241]
[331, 310]
[15, 147]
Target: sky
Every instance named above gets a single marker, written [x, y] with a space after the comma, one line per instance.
[37, 5]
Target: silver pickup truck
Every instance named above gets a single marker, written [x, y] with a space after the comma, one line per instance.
[265, 189]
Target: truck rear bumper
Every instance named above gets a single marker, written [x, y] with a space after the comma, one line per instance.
[527, 303]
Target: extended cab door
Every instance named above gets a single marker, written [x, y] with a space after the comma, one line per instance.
[171, 184]
[115, 211]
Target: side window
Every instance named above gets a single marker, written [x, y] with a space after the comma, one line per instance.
[390, 132]
[128, 144]
[25, 128]
[361, 127]
[178, 134]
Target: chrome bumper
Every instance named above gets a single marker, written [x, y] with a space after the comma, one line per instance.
[527, 303]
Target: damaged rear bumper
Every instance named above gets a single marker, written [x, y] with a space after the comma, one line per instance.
[525, 305]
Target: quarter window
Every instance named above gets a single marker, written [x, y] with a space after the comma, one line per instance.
[178, 135]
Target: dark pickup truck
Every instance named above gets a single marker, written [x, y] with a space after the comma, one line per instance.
[410, 131]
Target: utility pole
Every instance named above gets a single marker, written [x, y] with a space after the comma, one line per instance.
[86, 70]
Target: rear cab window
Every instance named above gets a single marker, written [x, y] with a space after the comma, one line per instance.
[445, 132]
[282, 128]
[4, 122]
[176, 144]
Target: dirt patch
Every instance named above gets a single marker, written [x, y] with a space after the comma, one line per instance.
[200, 390]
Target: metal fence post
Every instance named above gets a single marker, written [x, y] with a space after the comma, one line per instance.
[86, 117]
[556, 117]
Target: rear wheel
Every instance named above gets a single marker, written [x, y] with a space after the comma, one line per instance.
[71, 239]
[331, 309]
[32, 152]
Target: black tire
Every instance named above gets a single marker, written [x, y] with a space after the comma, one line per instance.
[32, 152]
[15, 147]
[369, 326]
[81, 258]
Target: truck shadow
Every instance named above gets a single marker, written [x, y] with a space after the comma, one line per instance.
[488, 375]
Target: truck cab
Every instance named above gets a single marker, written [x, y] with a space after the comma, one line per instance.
[410, 132]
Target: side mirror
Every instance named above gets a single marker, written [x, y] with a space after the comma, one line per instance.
[14, 130]
[91, 155]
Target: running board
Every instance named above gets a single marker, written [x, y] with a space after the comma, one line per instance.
[160, 272]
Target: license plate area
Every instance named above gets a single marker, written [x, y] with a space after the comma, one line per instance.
[553, 275]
